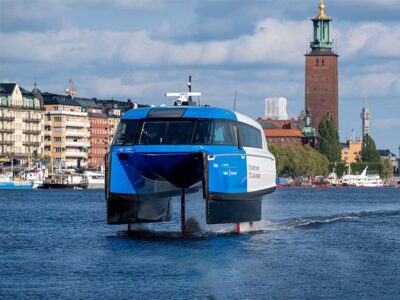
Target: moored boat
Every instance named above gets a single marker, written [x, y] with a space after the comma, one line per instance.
[65, 181]
[362, 180]
[7, 182]
[95, 179]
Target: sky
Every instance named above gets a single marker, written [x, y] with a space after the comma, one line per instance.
[140, 49]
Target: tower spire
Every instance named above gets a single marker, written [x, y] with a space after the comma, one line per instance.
[322, 34]
[322, 15]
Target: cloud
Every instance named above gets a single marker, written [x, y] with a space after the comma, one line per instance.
[268, 44]
[370, 85]
[370, 39]
[138, 4]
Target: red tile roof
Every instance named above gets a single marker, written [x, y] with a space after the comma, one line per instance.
[283, 133]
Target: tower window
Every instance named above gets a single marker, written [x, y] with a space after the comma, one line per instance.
[317, 62]
[323, 62]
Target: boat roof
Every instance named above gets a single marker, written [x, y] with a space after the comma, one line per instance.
[205, 112]
[180, 112]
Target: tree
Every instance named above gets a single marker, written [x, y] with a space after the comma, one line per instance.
[328, 139]
[387, 171]
[368, 150]
[299, 160]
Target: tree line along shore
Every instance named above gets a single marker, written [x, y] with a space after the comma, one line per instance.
[306, 161]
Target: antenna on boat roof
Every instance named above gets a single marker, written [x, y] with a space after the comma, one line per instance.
[189, 84]
[185, 99]
[234, 102]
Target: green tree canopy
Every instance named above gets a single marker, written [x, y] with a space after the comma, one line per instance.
[299, 160]
[328, 139]
[368, 150]
[387, 171]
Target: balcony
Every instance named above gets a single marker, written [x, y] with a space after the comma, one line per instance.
[77, 133]
[67, 112]
[7, 143]
[12, 154]
[6, 118]
[32, 120]
[47, 123]
[76, 144]
[77, 124]
[47, 133]
[32, 132]
[6, 130]
[31, 144]
[75, 154]
[47, 143]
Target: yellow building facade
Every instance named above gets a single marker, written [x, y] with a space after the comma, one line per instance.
[21, 123]
[351, 150]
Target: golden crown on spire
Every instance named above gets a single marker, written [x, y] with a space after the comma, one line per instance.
[322, 15]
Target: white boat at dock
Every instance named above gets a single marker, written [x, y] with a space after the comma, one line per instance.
[96, 179]
[362, 180]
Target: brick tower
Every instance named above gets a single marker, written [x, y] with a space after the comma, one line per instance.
[321, 88]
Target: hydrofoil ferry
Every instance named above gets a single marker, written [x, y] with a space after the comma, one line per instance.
[161, 152]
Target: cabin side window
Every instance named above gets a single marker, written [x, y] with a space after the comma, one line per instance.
[126, 132]
[214, 132]
[249, 136]
[223, 133]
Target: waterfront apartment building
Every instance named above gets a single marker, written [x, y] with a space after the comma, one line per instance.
[113, 118]
[66, 131]
[21, 123]
[98, 137]
[104, 116]
[351, 150]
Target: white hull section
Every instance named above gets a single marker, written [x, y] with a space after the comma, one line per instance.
[260, 170]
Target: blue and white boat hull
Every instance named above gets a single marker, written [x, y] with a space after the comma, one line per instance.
[141, 177]
[16, 185]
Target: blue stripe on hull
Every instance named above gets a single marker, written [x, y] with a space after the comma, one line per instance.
[15, 186]
[227, 174]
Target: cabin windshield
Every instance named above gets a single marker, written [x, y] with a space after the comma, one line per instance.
[166, 133]
[175, 132]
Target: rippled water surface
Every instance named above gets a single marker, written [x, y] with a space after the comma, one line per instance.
[318, 243]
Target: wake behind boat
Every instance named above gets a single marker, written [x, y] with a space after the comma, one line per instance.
[160, 152]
